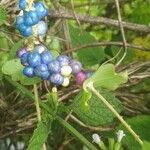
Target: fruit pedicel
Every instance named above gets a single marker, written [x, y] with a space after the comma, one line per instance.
[39, 61]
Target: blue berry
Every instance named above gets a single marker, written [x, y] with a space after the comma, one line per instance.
[46, 57]
[76, 66]
[42, 27]
[25, 31]
[28, 71]
[24, 59]
[34, 59]
[19, 21]
[21, 52]
[31, 18]
[63, 60]
[41, 10]
[22, 4]
[57, 79]
[45, 75]
[42, 68]
[54, 66]
[40, 48]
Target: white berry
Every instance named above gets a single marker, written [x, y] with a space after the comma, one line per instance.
[66, 82]
[66, 71]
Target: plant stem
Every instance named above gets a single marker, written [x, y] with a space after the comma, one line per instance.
[91, 87]
[75, 133]
[37, 103]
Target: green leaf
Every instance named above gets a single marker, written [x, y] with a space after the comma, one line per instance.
[3, 15]
[39, 137]
[92, 111]
[146, 145]
[106, 77]
[140, 125]
[15, 48]
[14, 69]
[75, 133]
[88, 56]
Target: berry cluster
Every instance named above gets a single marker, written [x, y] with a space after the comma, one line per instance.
[40, 62]
[30, 19]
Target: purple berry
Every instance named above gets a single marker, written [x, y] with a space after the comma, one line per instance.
[54, 66]
[63, 60]
[80, 78]
[46, 57]
[24, 59]
[34, 59]
[76, 66]
[42, 27]
[21, 52]
[28, 71]
[57, 79]
[31, 18]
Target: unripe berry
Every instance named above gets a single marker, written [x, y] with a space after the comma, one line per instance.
[28, 71]
[76, 66]
[21, 52]
[40, 48]
[66, 71]
[80, 78]
[42, 28]
[54, 66]
[46, 57]
[24, 59]
[34, 59]
[63, 60]
[57, 79]
[31, 18]
[41, 10]
[65, 82]
[22, 4]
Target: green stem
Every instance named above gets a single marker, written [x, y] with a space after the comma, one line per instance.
[75, 133]
[37, 103]
[91, 87]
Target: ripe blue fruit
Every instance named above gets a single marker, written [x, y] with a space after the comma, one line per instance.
[45, 75]
[24, 59]
[46, 57]
[19, 21]
[42, 68]
[42, 27]
[57, 78]
[25, 31]
[40, 48]
[54, 66]
[21, 52]
[63, 60]
[31, 18]
[41, 10]
[22, 4]
[28, 71]
[34, 59]
[76, 66]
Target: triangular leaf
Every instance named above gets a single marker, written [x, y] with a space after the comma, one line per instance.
[106, 77]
